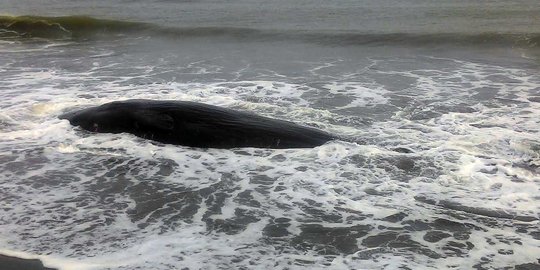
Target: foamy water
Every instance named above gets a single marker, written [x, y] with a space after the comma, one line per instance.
[444, 174]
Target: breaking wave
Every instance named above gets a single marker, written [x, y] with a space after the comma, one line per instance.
[85, 27]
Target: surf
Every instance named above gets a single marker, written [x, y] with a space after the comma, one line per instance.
[86, 27]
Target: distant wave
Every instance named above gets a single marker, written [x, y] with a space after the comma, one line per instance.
[73, 27]
[84, 27]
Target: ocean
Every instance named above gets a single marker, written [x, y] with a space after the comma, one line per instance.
[442, 99]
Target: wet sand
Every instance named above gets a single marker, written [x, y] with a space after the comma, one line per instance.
[14, 263]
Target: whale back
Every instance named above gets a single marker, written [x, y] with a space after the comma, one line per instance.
[196, 124]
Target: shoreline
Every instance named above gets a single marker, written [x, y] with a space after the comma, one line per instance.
[16, 263]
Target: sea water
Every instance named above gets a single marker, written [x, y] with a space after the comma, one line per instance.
[442, 99]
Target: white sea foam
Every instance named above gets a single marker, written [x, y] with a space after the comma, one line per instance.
[114, 201]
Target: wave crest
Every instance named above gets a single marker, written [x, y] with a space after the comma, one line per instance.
[76, 27]
[85, 27]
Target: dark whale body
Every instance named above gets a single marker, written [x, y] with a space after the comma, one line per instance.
[196, 125]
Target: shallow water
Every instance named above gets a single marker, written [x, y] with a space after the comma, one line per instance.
[445, 174]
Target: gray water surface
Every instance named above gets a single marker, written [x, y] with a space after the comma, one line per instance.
[442, 97]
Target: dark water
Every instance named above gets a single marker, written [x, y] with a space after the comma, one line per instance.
[445, 97]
